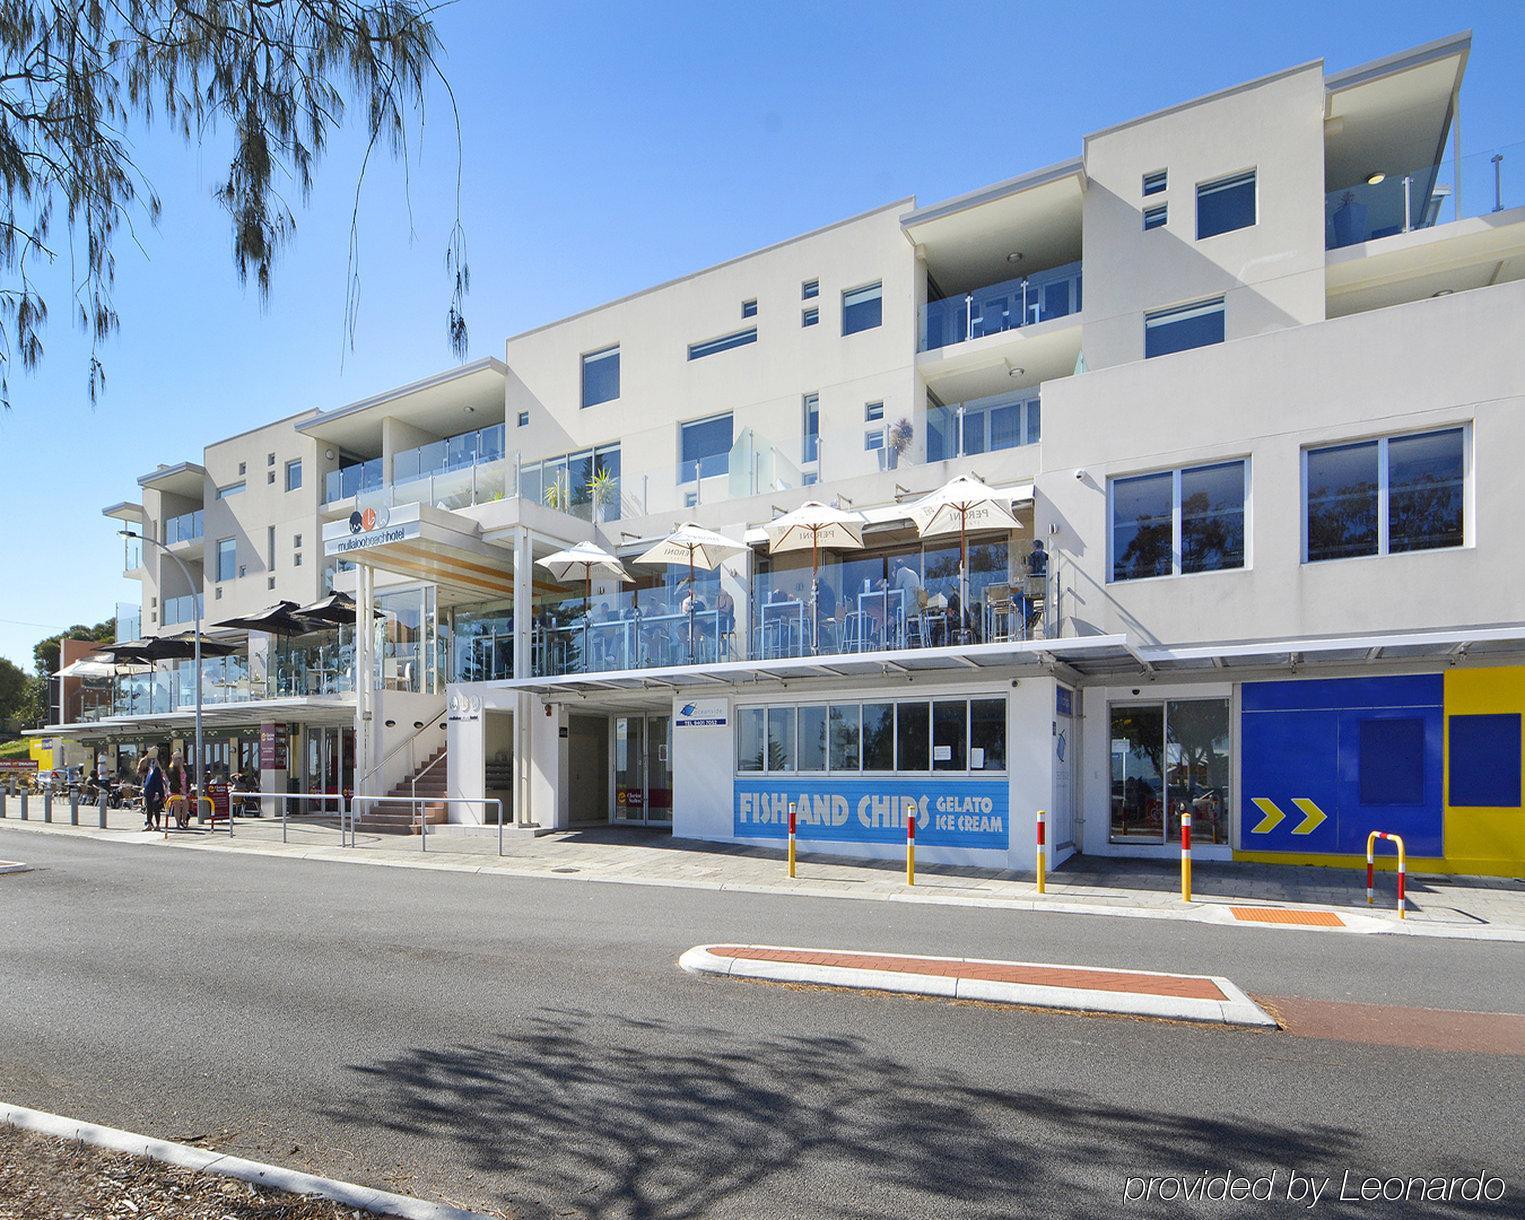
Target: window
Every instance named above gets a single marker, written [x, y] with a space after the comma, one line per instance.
[710, 347]
[1383, 496]
[810, 289]
[873, 440]
[1182, 328]
[296, 560]
[524, 419]
[243, 468]
[227, 558]
[1225, 205]
[1155, 183]
[862, 309]
[1154, 218]
[810, 317]
[704, 448]
[749, 309]
[1178, 521]
[232, 489]
[270, 547]
[269, 459]
[294, 474]
[811, 450]
[296, 541]
[1166, 757]
[270, 477]
[962, 735]
[601, 376]
[584, 484]
[873, 411]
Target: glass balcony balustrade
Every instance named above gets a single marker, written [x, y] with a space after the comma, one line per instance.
[186, 527]
[983, 425]
[312, 669]
[1399, 200]
[129, 621]
[996, 308]
[353, 480]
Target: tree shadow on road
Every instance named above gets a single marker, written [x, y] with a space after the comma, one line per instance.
[599, 1115]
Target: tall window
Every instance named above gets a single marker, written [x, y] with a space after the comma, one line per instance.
[1167, 757]
[1225, 205]
[1378, 497]
[811, 450]
[294, 474]
[704, 448]
[601, 376]
[227, 558]
[1178, 521]
[1182, 328]
[862, 308]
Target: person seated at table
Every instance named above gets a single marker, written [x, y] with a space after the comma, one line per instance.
[725, 608]
[693, 602]
[777, 594]
[825, 600]
[1037, 560]
[907, 581]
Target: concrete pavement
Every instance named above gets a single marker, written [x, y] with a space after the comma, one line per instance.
[533, 1046]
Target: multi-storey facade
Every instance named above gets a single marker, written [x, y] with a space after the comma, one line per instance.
[1248, 369]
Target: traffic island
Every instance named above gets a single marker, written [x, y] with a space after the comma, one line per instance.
[1136, 993]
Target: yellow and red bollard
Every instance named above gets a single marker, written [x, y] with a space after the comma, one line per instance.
[1185, 854]
[791, 838]
[1371, 865]
[910, 843]
[1042, 862]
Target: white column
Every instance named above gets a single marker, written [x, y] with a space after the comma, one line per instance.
[364, 675]
[524, 588]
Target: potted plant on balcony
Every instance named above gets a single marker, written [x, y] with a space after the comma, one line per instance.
[603, 489]
[896, 441]
[1349, 221]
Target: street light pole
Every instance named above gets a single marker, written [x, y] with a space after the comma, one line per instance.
[196, 647]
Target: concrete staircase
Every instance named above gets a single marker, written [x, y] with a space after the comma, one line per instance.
[404, 818]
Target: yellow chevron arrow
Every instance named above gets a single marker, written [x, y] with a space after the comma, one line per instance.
[1273, 816]
[1313, 816]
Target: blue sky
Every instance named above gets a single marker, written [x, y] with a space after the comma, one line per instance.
[609, 147]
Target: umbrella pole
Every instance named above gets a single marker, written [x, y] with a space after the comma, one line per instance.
[815, 612]
[963, 570]
[693, 593]
[587, 607]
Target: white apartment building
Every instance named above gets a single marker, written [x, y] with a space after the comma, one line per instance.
[1248, 368]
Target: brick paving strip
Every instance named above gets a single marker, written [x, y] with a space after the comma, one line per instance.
[1428, 1029]
[1185, 997]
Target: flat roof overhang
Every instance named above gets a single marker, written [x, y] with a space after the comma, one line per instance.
[437, 404]
[421, 542]
[126, 511]
[330, 710]
[183, 479]
[1498, 643]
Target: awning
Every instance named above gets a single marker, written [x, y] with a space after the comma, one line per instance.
[331, 710]
[422, 542]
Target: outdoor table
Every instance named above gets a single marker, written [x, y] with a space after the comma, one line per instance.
[608, 638]
[878, 606]
[783, 615]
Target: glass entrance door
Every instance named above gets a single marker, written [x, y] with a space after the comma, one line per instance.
[642, 770]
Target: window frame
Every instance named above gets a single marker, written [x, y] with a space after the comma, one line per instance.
[683, 428]
[1155, 317]
[1176, 537]
[1225, 182]
[1159, 215]
[602, 353]
[722, 343]
[928, 700]
[1163, 699]
[749, 308]
[293, 467]
[229, 490]
[1384, 507]
[217, 554]
[810, 316]
[810, 289]
[872, 285]
[1155, 182]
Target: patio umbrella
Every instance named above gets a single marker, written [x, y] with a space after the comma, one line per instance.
[336, 608]
[283, 618]
[697, 547]
[582, 560]
[958, 504]
[127, 650]
[815, 525]
[183, 644]
[92, 667]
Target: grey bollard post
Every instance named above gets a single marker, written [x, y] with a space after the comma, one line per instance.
[74, 807]
[4, 812]
[47, 805]
[23, 804]
[102, 809]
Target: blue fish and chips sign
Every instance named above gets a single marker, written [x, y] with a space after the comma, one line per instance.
[949, 813]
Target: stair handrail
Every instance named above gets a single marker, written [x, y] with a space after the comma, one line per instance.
[418, 775]
[407, 744]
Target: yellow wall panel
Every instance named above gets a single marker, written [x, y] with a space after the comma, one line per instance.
[1483, 840]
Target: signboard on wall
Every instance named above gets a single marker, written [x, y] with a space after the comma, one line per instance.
[949, 812]
[702, 712]
[272, 747]
[18, 764]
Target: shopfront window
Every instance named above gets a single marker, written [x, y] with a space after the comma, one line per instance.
[1168, 757]
[914, 735]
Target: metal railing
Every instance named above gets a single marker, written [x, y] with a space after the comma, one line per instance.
[284, 798]
[359, 800]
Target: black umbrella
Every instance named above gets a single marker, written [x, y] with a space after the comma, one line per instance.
[279, 619]
[182, 645]
[336, 608]
[128, 650]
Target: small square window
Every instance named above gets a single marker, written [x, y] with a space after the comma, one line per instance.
[1154, 218]
[1225, 205]
[810, 289]
[1155, 183]
[296, 541]
[690, 499]
[269, 476]
[524, 419]
[269, 459]
[217, 594]
[873, 440]
[862, 308]
[873, 411]
[296, 560]
[749, 309]
[243, 468]
[243, 570]
[270, 582]
[809, 317]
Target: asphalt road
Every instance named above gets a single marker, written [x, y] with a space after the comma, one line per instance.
[531, 1046]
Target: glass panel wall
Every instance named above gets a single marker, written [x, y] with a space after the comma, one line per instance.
[1166, 757]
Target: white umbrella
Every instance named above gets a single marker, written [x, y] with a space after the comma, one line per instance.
[583, 560]
[961, 504]
[90, 667]
[815, 525]
[697, 547]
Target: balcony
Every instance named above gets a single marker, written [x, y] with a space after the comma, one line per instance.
[319, 670]
[1404, 200]
[350, 481]
[1002, 307]
[187, 527]
[983, 425]
[129, 621]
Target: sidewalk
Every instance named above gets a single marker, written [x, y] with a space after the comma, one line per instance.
[1262, 895]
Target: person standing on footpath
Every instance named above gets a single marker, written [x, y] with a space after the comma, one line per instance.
[154, 789]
